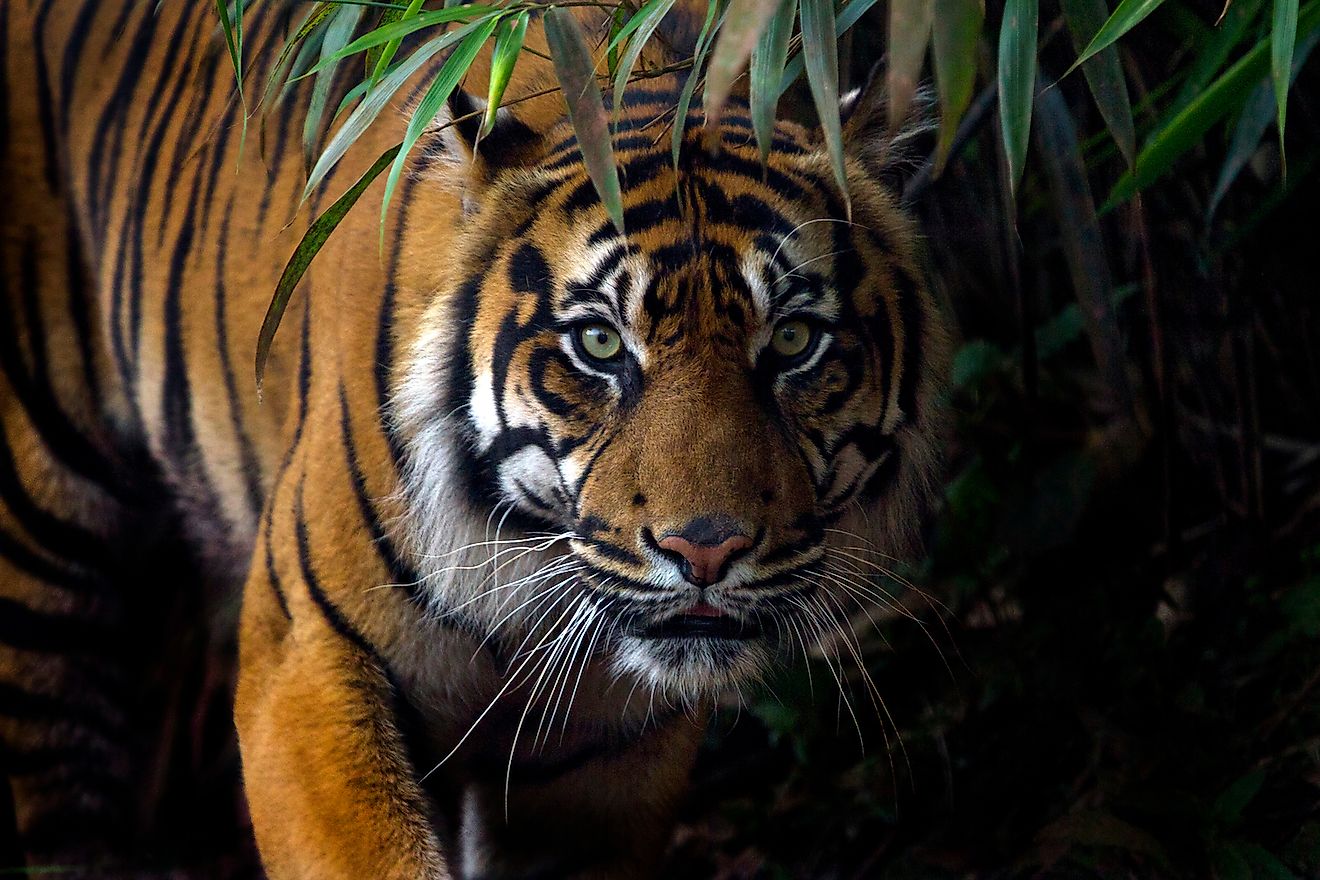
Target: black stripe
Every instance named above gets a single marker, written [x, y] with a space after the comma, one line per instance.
[271, 574]
[910, 313]
[112, 120]
[65, 442]
[45, 102]
[333, 616]
[28, 630]
[26, 706]
[25, 560]
[397, 569]
[57, 536]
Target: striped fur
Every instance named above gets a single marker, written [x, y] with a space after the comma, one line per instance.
[444, 518]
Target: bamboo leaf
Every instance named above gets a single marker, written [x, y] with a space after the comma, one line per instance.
[1234, 24]
[1186, 128]
[337, 33]
[1079, 233]
[1256, 116]
[767, 69]
[909, 34]
[233, 30]
[1283, 38]
[685, 96]
[400, 29]
[385, 54]
[743, 26]
[1127, 16]
[641, 17]
[1104, 74]
[308, 247]
[318, 14]
[1017, 82]
[617, 20]
[576, 74]
[957, 28]
[373, 102]
[644, 23]
[820, 49]
[509, 39]
[850, 13]
[454, 69]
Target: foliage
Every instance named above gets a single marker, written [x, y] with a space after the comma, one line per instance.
[733, 38]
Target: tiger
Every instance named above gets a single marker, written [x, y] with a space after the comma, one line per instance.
[525, 493]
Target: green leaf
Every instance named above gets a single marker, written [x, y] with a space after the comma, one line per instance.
[909, 34]
[508, 45]
[956, 32]
[385, 54]
[1256, 116]
[1283, 37]
[388, 16]
[617, 19]
[1212, 54]
[372, 103]
[1104, 74]
[1229, 863]
[635, 21]
[849, 14]
[233, 29]
[318, 14]
[400, 29]
[820, 49]
[454, 69]
[767, 69]
[1264, 864]
[685, 96]
[1127, 16]
[1234, 799]
[1083, 243]
[577, 77]
[308, 247]
[644, 24]
[1017, 82]
[1187, 127]
[742, 28]
[337, 33]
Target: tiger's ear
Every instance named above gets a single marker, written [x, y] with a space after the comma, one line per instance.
[890, 156]
[510, 143]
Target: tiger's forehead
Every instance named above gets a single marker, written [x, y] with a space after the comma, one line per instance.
[717, 237]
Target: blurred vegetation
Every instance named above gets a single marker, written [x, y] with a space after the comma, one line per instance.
[1121, 679]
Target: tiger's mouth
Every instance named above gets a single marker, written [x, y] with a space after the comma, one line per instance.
[701, 621]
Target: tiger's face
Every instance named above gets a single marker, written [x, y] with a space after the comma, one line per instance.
[702, 409]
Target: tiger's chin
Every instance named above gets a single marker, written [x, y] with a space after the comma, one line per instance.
[693, 666]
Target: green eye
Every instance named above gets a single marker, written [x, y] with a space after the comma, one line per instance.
[600, 341]
[791, 338]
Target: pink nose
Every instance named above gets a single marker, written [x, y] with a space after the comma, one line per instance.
[704, 562]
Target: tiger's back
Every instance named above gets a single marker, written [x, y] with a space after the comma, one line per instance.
[140, 237]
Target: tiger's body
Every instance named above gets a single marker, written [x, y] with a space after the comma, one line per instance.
[414, 701]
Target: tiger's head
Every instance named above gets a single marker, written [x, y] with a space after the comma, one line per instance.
[703, 432]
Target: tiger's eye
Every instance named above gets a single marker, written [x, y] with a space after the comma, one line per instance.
[791, 338]
[600, 341]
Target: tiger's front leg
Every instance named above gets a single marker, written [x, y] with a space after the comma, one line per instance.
[329, 785]
[604, 812]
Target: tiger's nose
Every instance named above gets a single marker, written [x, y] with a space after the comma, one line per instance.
[705, 547]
